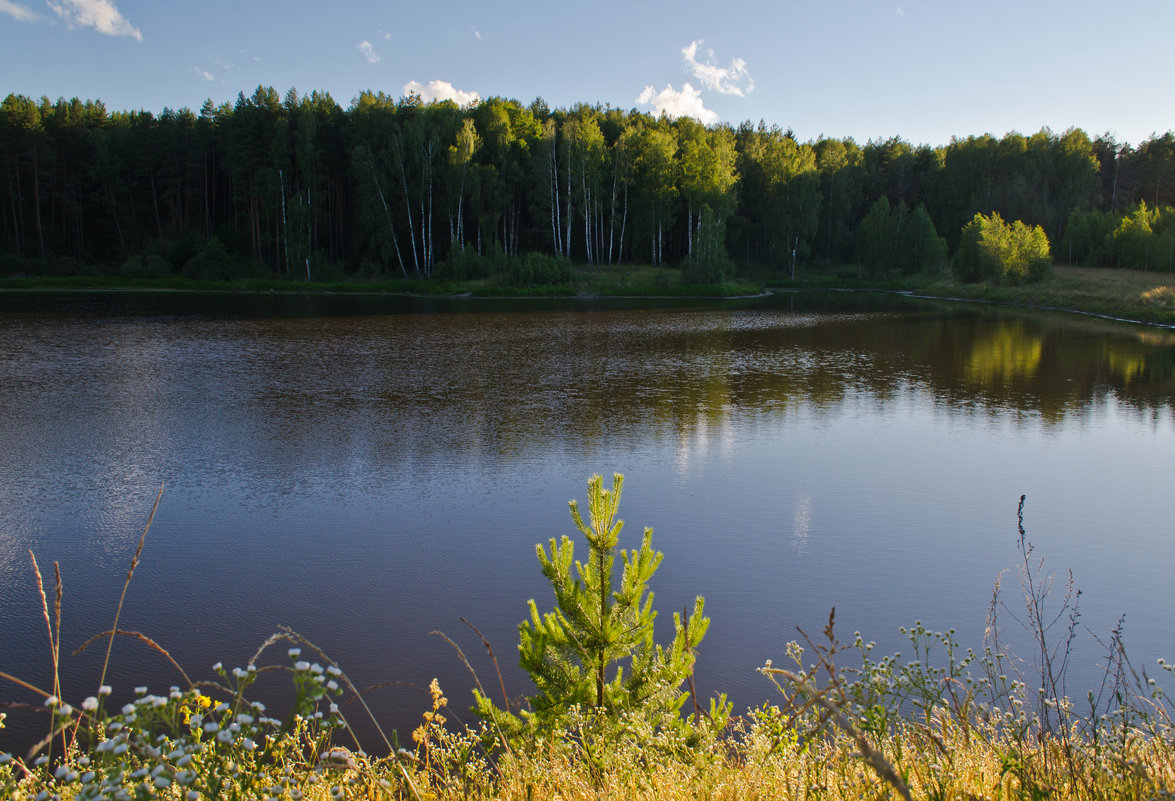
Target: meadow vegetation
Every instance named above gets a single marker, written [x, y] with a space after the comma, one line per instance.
[614, 714]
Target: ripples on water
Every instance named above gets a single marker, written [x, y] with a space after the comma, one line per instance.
[367, 473]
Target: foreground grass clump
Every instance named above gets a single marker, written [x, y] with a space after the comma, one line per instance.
[607, 721]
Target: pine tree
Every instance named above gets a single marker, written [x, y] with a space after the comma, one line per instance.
[596, 650]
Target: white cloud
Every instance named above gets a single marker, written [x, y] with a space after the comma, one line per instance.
[441, 90]
[205, 74]
[686, 103]
[477, 34]
[17, 11]
[385, 35]
[221, 63]
[101, 15]
[368, 51]
[732, 80]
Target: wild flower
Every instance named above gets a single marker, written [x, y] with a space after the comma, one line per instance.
[199, 703]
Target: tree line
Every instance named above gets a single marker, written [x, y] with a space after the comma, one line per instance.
[390, 187]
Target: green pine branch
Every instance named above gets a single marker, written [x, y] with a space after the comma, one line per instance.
[596, 650]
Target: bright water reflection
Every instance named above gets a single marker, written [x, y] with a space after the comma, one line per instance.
[367, 470]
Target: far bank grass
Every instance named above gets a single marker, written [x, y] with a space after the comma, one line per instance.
[1125, 294]
[634, 281]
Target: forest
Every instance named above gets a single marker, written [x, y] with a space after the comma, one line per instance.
[302, 188]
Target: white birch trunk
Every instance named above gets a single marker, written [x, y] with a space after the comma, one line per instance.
[553, 183]
[587, 209]
[623, 223]
[568, 215]
[285, 237]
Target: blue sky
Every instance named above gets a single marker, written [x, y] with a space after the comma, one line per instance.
[862, 68]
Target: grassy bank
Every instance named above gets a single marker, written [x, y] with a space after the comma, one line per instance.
[922, 730]
[1123, 294]
[943, 723]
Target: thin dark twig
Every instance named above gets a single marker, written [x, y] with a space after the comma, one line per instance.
[494, 659]
[477, 681]
[379, 685]
[689, 679]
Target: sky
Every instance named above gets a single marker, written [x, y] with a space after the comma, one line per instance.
[867, 69]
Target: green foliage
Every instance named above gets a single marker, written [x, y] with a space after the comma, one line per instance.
[920, 247]
[894, 240]
[1136, 242]
[1141, 239]
[1087, 234]
[213, 263]
[779, 198]
[991, 249]
[466, 264]
[298, 186]
[145, 267]
[595, 653]
[18, 266]
[537, 269]
[1132, 234]
[708, 263]
[875, 237]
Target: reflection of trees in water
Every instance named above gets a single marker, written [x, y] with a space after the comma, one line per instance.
[994, 359]
[982, 361]
[429, 386]
[1008, 355]
[407, 392]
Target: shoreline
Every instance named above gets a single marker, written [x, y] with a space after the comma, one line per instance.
[1107, 294]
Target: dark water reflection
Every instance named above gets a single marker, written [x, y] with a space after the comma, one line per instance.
[370, 469]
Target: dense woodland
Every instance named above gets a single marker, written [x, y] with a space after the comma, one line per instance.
[390, 187]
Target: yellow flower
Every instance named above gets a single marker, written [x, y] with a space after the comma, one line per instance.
[201, 703]
[438, 697]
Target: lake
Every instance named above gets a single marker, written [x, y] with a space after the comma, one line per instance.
[367, 470]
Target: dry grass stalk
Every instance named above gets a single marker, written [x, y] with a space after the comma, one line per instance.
[129, 575]
[143, 638]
